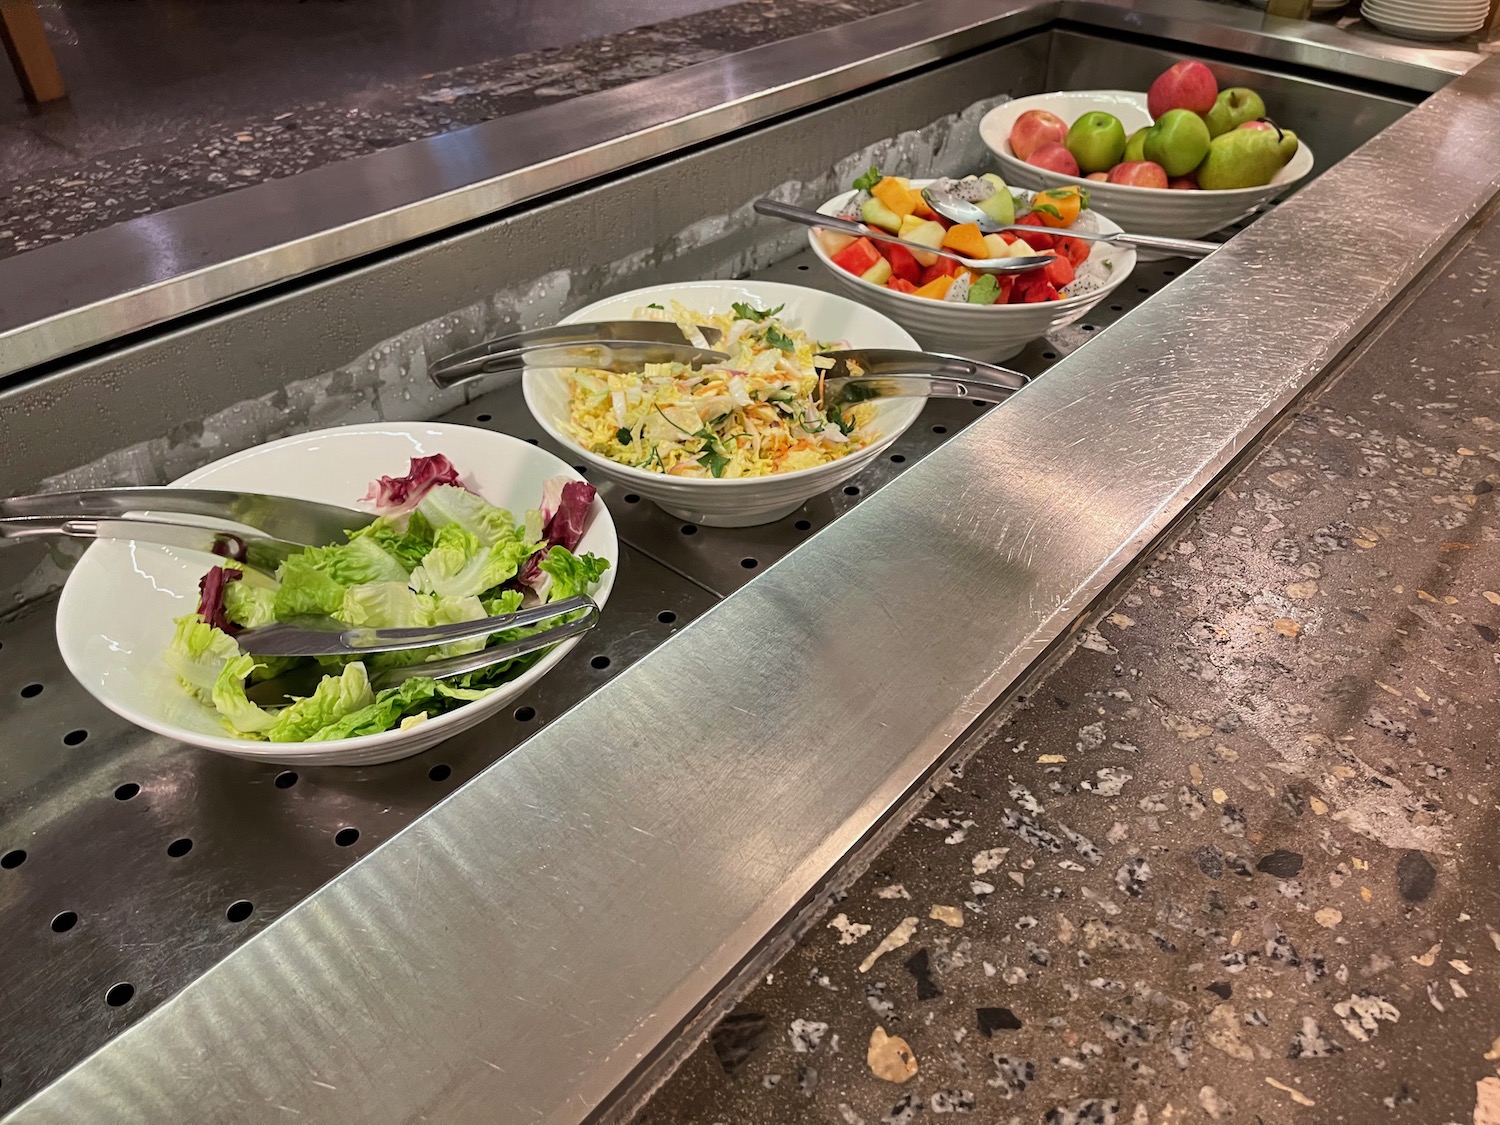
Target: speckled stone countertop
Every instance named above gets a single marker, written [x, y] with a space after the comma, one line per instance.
[1235, 859]
[143, 180]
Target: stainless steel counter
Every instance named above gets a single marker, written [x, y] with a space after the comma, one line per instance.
[545, 941]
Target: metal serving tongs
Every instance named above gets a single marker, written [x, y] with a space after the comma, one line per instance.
[862, 374]
[327, 637]
[258, 552]
[608, 345]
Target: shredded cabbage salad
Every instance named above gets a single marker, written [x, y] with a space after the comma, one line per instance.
[437, 554]
[760, 413]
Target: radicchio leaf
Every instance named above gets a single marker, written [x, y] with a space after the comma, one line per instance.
[394, 495]
[565, 513]
[211, 598]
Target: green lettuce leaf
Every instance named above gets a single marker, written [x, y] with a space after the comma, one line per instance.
[249, 606]
[407, 545]
[418, 695]
[240, 715]
[198, 653]
[449, 506]
[334, 698]
[571, 574]
[385, 605]
[461, 565]
[502, 602]
[307, 588]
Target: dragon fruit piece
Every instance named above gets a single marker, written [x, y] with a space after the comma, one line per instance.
[971, 188]
[211, 598]
[394, 495]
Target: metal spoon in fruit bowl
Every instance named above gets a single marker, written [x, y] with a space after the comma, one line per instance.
[776, 209]
[950, 206]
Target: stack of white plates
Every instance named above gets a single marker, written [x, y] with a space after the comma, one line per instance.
[1432, 20]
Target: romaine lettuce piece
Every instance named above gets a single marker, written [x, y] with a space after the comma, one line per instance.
[460, 565]
[198, 653]
[447, 506]
[418, 695]
[334, 698]
[240, 715]
[306, 588]
[249, 606]
[571, 574]
[385, 605]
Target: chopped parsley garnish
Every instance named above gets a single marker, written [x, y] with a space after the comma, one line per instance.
[869, 179]
[779, 339]
[654, 305]
[623, 435]
[1047, 209]
[747, 312]
[715, 463]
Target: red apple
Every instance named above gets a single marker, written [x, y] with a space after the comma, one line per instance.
[1139, 173]
[1183, 183]
[1100, 176]
[1055, 158]
[1184, 85]
[1033, 129]
[1256, 125]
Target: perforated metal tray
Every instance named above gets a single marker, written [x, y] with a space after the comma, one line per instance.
[130, 864]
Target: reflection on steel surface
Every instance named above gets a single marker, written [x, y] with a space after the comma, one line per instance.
[522, 948]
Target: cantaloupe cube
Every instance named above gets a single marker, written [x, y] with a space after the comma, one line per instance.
[895, 195]
[937, 288]
[966, 239]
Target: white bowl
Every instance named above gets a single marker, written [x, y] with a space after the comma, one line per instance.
[114, 620]
[1177, 214]
[748, 501]
[986, 332]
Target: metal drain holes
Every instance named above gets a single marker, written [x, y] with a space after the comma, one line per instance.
[803, 525]
[1049, 355]
[804, 267]
[31, 691]
[940, 429]
[851, 490]
[689, 529]
[1088, 328]
[345, 837]
[285, 779]
[179, 848]
[1116, 308]
[440, 772]
[525, 714]
[120, 994]
[12, 859]
[581, 470]
[75, 737]
[240, 910]
[1142, 289]
[1169, 273]
[666, 617]
[600, 662]
[749, 564]
[64, 922]
[632, 498]
[482, 417]
[898, 459]
[127, 791]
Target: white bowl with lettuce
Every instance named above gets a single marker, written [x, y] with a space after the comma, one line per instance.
[129, 630]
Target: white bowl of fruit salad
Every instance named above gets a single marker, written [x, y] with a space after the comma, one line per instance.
[732, 445]
[948, 308]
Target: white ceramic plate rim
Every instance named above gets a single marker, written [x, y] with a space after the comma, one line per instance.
[986, 128]
[1422, 23]
[279, 751]
[1413, 16]
[834, 205]
[1399, 7]
[645, 295]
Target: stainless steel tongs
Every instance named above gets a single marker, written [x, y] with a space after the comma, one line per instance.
[863, 374]
[610, 345]
[327, 637]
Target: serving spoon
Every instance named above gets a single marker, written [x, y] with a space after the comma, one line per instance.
[958, 210]
[776, 209]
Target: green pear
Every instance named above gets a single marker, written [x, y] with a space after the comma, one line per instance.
[1233, 108]
[1134, 147]
[1002, 205]
[1178, 141]
[1246, 158]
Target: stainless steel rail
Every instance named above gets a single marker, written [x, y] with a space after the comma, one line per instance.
[524, 949]
[100, 286]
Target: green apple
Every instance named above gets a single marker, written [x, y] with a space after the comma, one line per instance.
[1245, 158]
[1178, 142]
[1232, 108]
[1135, 150]
[1097, 141]
[1002, 205]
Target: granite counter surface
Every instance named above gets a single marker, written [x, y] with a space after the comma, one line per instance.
[1235, 859]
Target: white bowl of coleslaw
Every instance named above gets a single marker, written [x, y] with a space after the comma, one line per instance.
[755, 486]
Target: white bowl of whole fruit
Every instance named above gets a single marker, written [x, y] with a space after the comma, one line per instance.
[1184, 160]
[951, 309]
